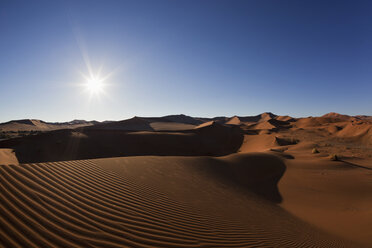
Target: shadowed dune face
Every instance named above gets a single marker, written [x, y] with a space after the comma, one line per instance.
[258, 172]
[91, 143]
[148, 202]
[171, 126]
[285, 141]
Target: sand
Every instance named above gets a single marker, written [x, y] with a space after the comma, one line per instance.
[331, 195]
[227, 182]
[84, 143]
[38, 125]
[7, 157]
[150, 202]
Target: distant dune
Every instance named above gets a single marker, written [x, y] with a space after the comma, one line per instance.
[166, 123]
[38, 125]
[180, 181]
[133, 124]
[115, 139]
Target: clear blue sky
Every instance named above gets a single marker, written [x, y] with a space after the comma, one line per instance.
[200, 58]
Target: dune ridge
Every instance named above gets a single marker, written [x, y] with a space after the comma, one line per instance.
[101, 142]
[39, 125]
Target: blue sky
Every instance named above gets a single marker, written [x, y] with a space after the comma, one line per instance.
[200, 58]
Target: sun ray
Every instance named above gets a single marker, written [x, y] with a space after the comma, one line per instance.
[95, 79]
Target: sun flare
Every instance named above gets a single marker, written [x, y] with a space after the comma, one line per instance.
[94, 85]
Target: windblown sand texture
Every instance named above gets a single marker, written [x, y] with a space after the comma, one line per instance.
[190, 182]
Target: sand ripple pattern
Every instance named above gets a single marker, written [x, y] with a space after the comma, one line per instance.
[80, 204]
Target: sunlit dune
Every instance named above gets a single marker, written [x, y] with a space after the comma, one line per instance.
[179, 181]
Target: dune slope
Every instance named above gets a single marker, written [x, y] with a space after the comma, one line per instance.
[61, 145]
[150, 202]
[332, 195]
[7, 156]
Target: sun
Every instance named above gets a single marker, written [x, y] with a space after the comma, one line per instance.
[94, 85]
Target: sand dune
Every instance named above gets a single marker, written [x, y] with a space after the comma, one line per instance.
[93, 142]
[171, 126]
[38, 125]
[332, 195]
[166, 123]
[363, 117]
[183, 119]
[219, 182]
[133, 124]
[338, 116]
[285, 118]
[25, 125]
[149, 202]
[237, 120]
[361, 130]
[270, 124]
[7, 156]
